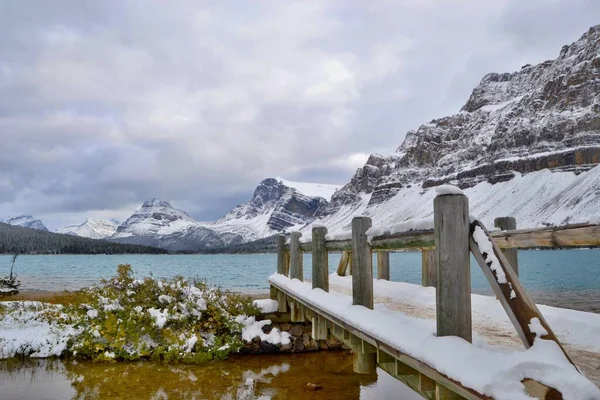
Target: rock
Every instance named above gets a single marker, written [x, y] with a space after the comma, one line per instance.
[286, 327]
[313, 387]
[286, 348]
[296, 331]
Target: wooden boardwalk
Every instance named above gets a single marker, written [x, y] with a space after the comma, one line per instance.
[446, 254]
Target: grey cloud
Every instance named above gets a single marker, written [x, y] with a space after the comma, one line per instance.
[104, 104]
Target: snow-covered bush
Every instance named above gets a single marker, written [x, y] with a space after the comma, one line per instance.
[128, 319]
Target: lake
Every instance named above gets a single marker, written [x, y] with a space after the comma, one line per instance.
[566, 278]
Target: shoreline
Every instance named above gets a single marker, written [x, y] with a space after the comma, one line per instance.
[45, 295]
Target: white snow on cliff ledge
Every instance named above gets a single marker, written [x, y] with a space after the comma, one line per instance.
[323, 190]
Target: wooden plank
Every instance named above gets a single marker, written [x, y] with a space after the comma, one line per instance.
[281, 254]
[287, 263]
[362, 263]
[363, 363]
[339, 245]
[320, 260]
[429, 268]
[296, 260]
[580, 235]
[281, 302]
[319, 327]
[383, 265]
[341, 329]
[343, 265]
[405, 240]
[506, 224]
[443, 393]
[519, 306]
[295, 312]
[426, 384]
[453, 292]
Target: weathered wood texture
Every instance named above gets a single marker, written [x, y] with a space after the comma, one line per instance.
[320, 260]
[362, 263]
[509, 224]
[287, 263]
[296, 259]
[429, 268]
[453, 294]
[520, 307]
[343, 265]
[580, 235]
[383, 265]
[281, 254]
[404, 365]
[281, 303]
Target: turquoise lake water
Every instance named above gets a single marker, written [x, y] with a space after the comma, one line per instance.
[553, 276]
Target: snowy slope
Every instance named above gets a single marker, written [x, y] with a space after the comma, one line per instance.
[26, 221]
[312, 189]
[91, 228]
[536, 199]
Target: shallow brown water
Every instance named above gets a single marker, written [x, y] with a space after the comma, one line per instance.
[240, 378]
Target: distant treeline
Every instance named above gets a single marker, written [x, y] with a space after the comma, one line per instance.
[18, 240]
[265, 245]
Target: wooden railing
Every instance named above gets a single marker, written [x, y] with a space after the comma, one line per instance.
[445, 265]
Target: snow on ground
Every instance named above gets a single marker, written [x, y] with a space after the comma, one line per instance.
[253, 328]
[23, 330]
[266, 305]
[491, 371]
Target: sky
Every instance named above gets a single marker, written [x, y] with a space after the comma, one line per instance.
[105, 104]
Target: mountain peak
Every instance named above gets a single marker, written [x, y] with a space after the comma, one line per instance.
[92, 228]
[26, 221]
[156, 203]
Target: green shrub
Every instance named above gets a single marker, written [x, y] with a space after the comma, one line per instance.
[172, 320]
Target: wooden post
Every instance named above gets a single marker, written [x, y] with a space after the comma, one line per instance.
[509, 224]
[296, 261]
[453, 294]
[362, 263]
[281, 254]
[383, 265]
[343, 265]
[320, 260]
[429, 267]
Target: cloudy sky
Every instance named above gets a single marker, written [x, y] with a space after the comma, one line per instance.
[104, 104]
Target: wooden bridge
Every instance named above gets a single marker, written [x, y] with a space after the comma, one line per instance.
[446, 265]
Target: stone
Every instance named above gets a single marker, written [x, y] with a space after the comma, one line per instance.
[296, 331]
[285, 327]
[313, 387]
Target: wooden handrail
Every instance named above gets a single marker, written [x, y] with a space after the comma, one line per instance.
[568, 236]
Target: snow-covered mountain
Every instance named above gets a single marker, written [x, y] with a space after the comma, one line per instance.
[26, 221]
[525, 144]
[274, 207]
[91, 228]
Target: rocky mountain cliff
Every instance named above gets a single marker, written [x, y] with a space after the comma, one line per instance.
[91, 228]
[25, 221]
[544, 117]
[274, 207]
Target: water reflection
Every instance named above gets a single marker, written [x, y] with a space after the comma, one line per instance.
[239, 378]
